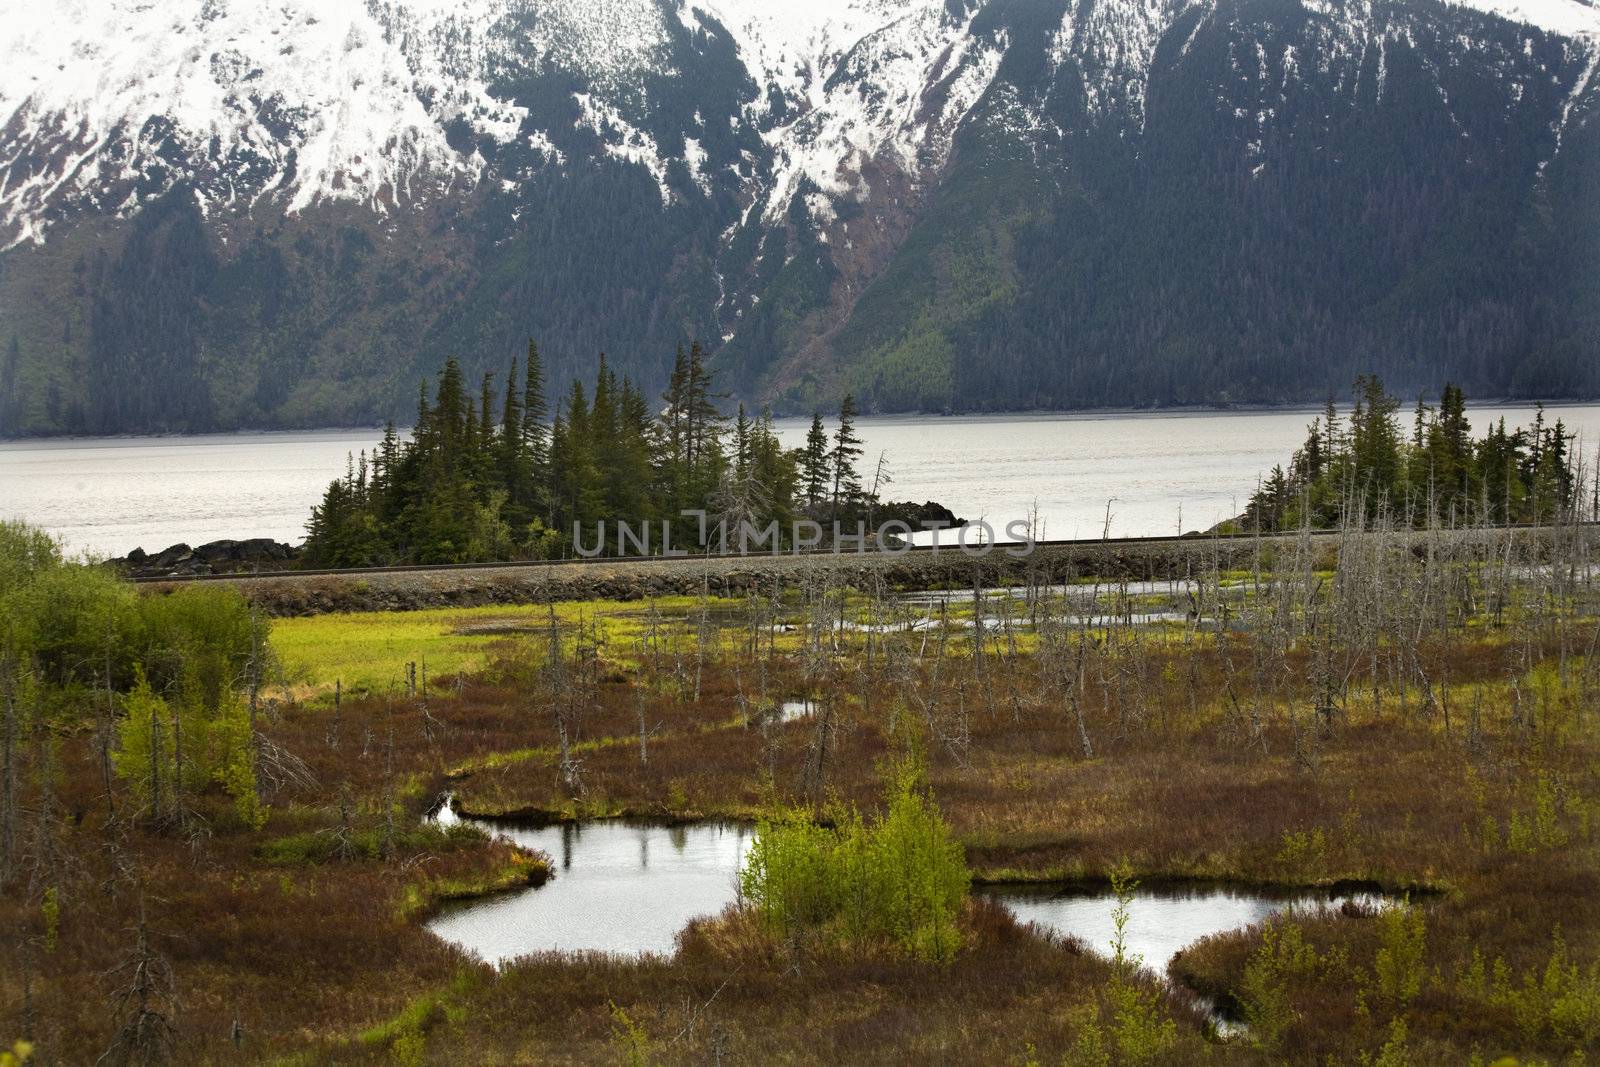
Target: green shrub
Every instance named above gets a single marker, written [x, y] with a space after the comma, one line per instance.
[1399, 966]
[789, 875]
[1395, 1051]
[630, 1039]
[1140, 1030]
[900, 879]
[216, 747]
[1562, 997]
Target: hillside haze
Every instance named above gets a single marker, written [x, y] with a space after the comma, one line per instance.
[218, 214]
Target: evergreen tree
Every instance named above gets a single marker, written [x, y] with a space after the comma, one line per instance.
[704, 427]
[846, 450]
[1437, 473]
[466, 488]
[1375, 442]
[483, 446]
[632, 457]
[386, 461]
[1450, 444]
[775, 469]
[580, 493]
[674, 463]
[741, 444]
[512, 468]
[536, 435]
[815, 462]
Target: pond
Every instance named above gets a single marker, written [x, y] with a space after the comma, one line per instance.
[629, 888]
[794, 710]
[617, 887]
[1161, 921]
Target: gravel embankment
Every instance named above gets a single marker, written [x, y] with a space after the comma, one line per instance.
[639, 579]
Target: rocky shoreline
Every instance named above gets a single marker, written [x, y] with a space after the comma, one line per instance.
[215, 557]
[261, 554]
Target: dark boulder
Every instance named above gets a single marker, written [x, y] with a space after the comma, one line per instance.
[916, 515]
[176, 556]
[214, 557]
[217, 551]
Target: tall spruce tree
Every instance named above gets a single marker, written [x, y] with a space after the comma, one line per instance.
[466, 487]
[536, 437]
[1437, 473]
[814, 464]
[846, 451]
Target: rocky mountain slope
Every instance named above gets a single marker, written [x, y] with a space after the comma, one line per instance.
[220, 214]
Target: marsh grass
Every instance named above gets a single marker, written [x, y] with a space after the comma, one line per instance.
[1416, 718]
[368, 651]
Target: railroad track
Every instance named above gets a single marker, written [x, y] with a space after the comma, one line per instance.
[920, 551]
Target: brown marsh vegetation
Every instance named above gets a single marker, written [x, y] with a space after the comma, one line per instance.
[1418, 715]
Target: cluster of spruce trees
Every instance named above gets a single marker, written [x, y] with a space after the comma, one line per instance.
[1369, 468]
[502, 478]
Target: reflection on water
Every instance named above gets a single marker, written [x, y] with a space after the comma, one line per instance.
[790, 710]
[1161, 922]
[629, 888]
[617, 887]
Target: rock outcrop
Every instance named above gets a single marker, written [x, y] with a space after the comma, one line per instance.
[252, 556]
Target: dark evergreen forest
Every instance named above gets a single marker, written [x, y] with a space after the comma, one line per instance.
[1372, 468]
[507, 475]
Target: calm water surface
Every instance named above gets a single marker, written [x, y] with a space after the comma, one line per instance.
[630, 888]
[1161, 922]
[111, 495]
[1159, 472]
[618, 887]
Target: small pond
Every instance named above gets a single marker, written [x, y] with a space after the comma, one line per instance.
[616, 887]
[629, 888]
[792, 710]
[1161, 921]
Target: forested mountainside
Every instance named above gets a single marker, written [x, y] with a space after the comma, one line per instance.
[217, 214]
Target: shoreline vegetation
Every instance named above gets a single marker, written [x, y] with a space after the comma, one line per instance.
[468, 488]
[1368, 468]
[511, 477]
[614, 461]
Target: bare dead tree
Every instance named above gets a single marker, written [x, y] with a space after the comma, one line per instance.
[336, 720]
[145, 1006]
[9, 727]
[344, 838]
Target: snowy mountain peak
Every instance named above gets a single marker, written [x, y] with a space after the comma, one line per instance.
[1565, 18]
[106, 103]
[313, 98]
[1029, 201]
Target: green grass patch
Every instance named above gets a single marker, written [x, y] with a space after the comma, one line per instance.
[367, 652]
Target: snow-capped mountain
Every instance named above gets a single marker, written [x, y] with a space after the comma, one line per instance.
[294, 207]
[312, 100]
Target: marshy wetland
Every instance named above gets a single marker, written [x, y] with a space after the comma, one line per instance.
[1346, 794]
